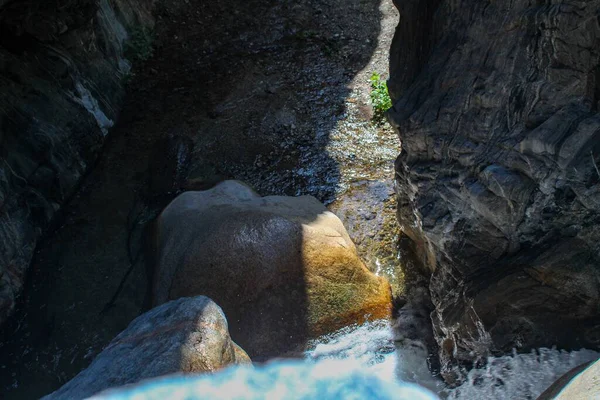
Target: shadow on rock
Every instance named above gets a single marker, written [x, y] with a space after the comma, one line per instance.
[283, 268]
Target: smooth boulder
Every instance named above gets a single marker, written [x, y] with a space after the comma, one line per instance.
[188, 335]
[283, 268]
[581, 383]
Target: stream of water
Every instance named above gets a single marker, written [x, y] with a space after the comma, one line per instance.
[373, 348]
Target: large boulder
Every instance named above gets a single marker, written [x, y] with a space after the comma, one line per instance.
[580, 383]
[283, 268]
[498, 180]
[185, 335]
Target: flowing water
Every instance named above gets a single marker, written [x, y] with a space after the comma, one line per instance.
[364, 362]
[372, 347]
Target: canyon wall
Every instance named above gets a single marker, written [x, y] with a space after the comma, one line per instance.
[62, 64]
[496, 104]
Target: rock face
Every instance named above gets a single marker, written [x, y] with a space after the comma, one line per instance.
[282, 268]
[498, 180]
[61, 73]
[186, 335]
[581, 383]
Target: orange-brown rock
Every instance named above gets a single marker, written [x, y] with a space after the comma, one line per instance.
[283, 268]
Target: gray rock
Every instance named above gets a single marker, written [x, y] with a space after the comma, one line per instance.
[61, 84]
[185, 335]
[498, 186]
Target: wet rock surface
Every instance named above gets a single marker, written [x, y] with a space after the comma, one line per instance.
[497, 182]
[367, 210]
[283, 268]
[188, 335]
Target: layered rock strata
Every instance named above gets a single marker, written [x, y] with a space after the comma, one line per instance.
[498, 180]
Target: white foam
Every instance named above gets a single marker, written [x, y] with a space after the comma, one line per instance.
[373, 347]
[520, 376]
[513, 377]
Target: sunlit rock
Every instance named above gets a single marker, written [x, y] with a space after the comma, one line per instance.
[498, 182]
[282, 268]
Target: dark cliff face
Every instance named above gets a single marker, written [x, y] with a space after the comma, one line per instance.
[498, 180]
[61, 83]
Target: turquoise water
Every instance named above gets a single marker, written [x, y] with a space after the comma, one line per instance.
[326, 379]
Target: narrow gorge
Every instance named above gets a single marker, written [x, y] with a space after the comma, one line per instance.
[189, 187]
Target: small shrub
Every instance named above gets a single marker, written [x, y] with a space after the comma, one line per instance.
[380, 98]
[139, 45]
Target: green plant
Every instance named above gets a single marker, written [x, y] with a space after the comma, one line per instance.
[139, 45]
[380, 98]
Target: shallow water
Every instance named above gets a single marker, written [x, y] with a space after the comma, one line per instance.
[348, 163]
